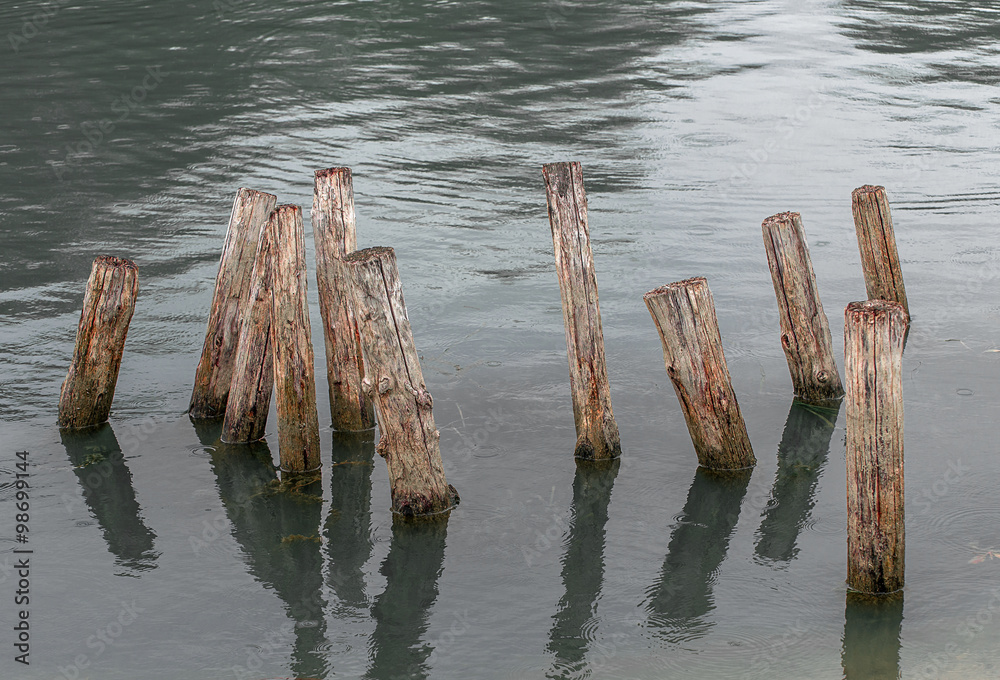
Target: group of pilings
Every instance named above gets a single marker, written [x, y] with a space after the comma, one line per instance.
[684, 315]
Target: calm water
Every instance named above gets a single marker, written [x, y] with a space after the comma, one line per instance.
[693, 121]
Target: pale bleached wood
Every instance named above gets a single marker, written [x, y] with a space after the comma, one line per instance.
[877, 243]
[253, 371]
[409, 440]
[805, 329]
[291, 342]
[214, 374]
[596, 429]
[873, 337]
[334, 229]
[684, 314]
[89, 388]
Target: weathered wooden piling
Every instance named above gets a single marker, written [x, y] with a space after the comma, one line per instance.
[291, 343]
[214, 374]
[253, 369]
[877, 243]
[684, 314]
[409, 440]
[873, 351]
[596, 429]
[89, 388]
[805, 330]
[334, 229]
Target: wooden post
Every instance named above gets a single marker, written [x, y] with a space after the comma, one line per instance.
[596, 429]
[334, 230]
[684, 313]
[291, 342]
[253, 370]
[89, 388]
[409, 440]
[805, 330]
[214, 374]
[873, 352]
[877, 243]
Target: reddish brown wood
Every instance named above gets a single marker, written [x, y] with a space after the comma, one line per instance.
[877, 243]
[108, 304]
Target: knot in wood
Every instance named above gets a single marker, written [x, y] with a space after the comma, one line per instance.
[384, 384]
[383, 446]
[822, 377]
[424, 398]
[366, 386]
[786, 341]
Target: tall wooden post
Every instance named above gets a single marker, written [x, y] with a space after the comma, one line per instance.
[596, 429]
[877, 243]
[409, 440]
[108, 304]
[684, 314]
[214, 374]
[291, 342]
[873, 352]
[805, 330]
[253, 372]
[334, 229]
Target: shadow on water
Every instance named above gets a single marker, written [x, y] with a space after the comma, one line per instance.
[802, 453]
[276, 521]
[348, 527]
[100, 466]
[871, 636]
[401, 612]
[678, 602]
[583, 565]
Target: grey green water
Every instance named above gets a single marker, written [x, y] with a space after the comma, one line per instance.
[126, 128]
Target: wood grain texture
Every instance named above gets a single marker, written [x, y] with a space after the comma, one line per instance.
[409, 440]
[596, 429]
[873, 352]
[335, 233]
[253, 370]
[877, 243]
[684, 314]
[291, 340]
[805, 329]
[214, 374]
[89, 388]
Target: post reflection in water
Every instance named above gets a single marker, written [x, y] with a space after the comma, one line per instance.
[348, 527]
[401, 612]
[276, 521]
[872, 626]
[99, 464]
[583, 565]
[680, 599]
[802, 453]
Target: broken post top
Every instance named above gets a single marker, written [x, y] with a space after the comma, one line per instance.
[332, 172]
[113, 261]
[560, 175]
[287, 207]
[782, 218]
[867, 189]
[367, 254]
[676, 285]
[876, 306]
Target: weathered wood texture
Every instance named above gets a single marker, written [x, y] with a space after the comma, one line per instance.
[334, 229]
[596, 429]
[409, 440]
[108, 304]
[805, 329]
[877, 243]
[291, 342]
[873, 352]
[214, 374]
[253, 371]
[684, 313]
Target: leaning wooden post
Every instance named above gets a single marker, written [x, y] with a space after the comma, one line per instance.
[89, 388]
[873, 352]
[253, 370]
[214, 374]
[596, 429]
[877, 243]
[291, 342]
[409, 440]
[334, 230]
[684, 314]
[805, 330]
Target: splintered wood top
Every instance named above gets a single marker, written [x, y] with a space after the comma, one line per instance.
[368, 254]
[693, 281]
